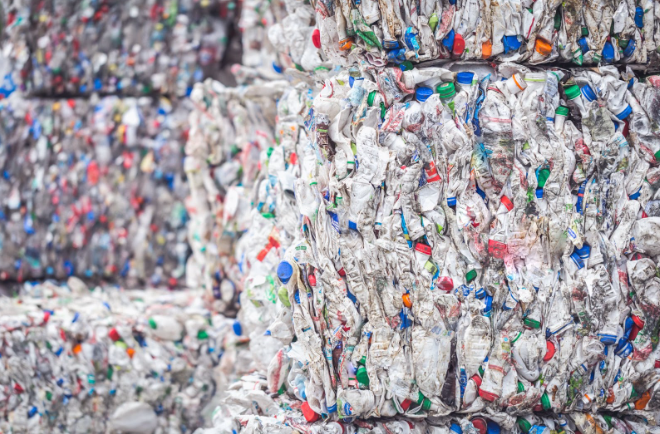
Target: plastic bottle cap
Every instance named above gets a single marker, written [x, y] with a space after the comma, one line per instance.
[480, 424]
[451, 201]
[630, 48]
[406, 300]
[284, 272]
[572, 92]
[152, 323]
[283, 295]
[433, 21]
[456, 428]
[391, 44]
[238, 330]
[488, 396]
[532, 323]
[465, 77]
[311, 278]
[423, 93]
[539, 193]
[561, 111]
[524, 425]
[423, 248]
[607, 339]
[493, 427]
[446, 90]
[471, 275]
[585, 31]
[370, 98]
[608, 52]
[316, 38]
[486, 49]
[309, 414]
[445, 283]
[584, 45]
[549, 351]
[362, 376]
[507, 202]
[114, 335]
[589, 93]
[625, 113]
[577, 260]
[584, 252]
[459, 45]
[448, 41]
[511, 43]
[544, 48]
[406, 65]
[352, 225]
[545, 402]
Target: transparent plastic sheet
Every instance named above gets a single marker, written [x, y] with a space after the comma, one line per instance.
[523, 31]
[77, 360]
[456, 242]
[93, 188]
[134, 48]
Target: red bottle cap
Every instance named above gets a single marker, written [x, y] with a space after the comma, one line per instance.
[507, 202]
[311, 279]
[309, 414]
[316, 38]
[114, 335]
[423, 248]
[445, 283]
[459, 46]
[479, 422]
[488, 396]
[549, 351]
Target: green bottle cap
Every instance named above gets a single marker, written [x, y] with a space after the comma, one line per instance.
[267, 215]
[433, 21]
[426, 404]
[585, 31]
[446, 90]
[362, 376]
[521, 387]
[524, 425]
[152, 323]
[363, 361]
[532, 323]
[471, 275]
[545, 402]
[543, 176]
[562, 111]
[49, 395]
[283, 295]
[406, 65]
[572, 92]
[202, 335]
[370, 98]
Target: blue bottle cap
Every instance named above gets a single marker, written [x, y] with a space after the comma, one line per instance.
[277, 68]
[465, 77]
[625, 113]
[639, 17]
[391, 45]
[423, 93]
[630, 49]
[636, 194]
[584, 252]
[352, 225]
[539, 193]
[448, 41]
[608, 52]
[451, 201]
[492, 428]
[588, 93]
[351, 80]
[578, 261]
[453, 2]
[284, 272]
[607, 339]
[511, 43]
[480, 293]
[238, 330]
[489, 304]
[584, 45]
[456, 428]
